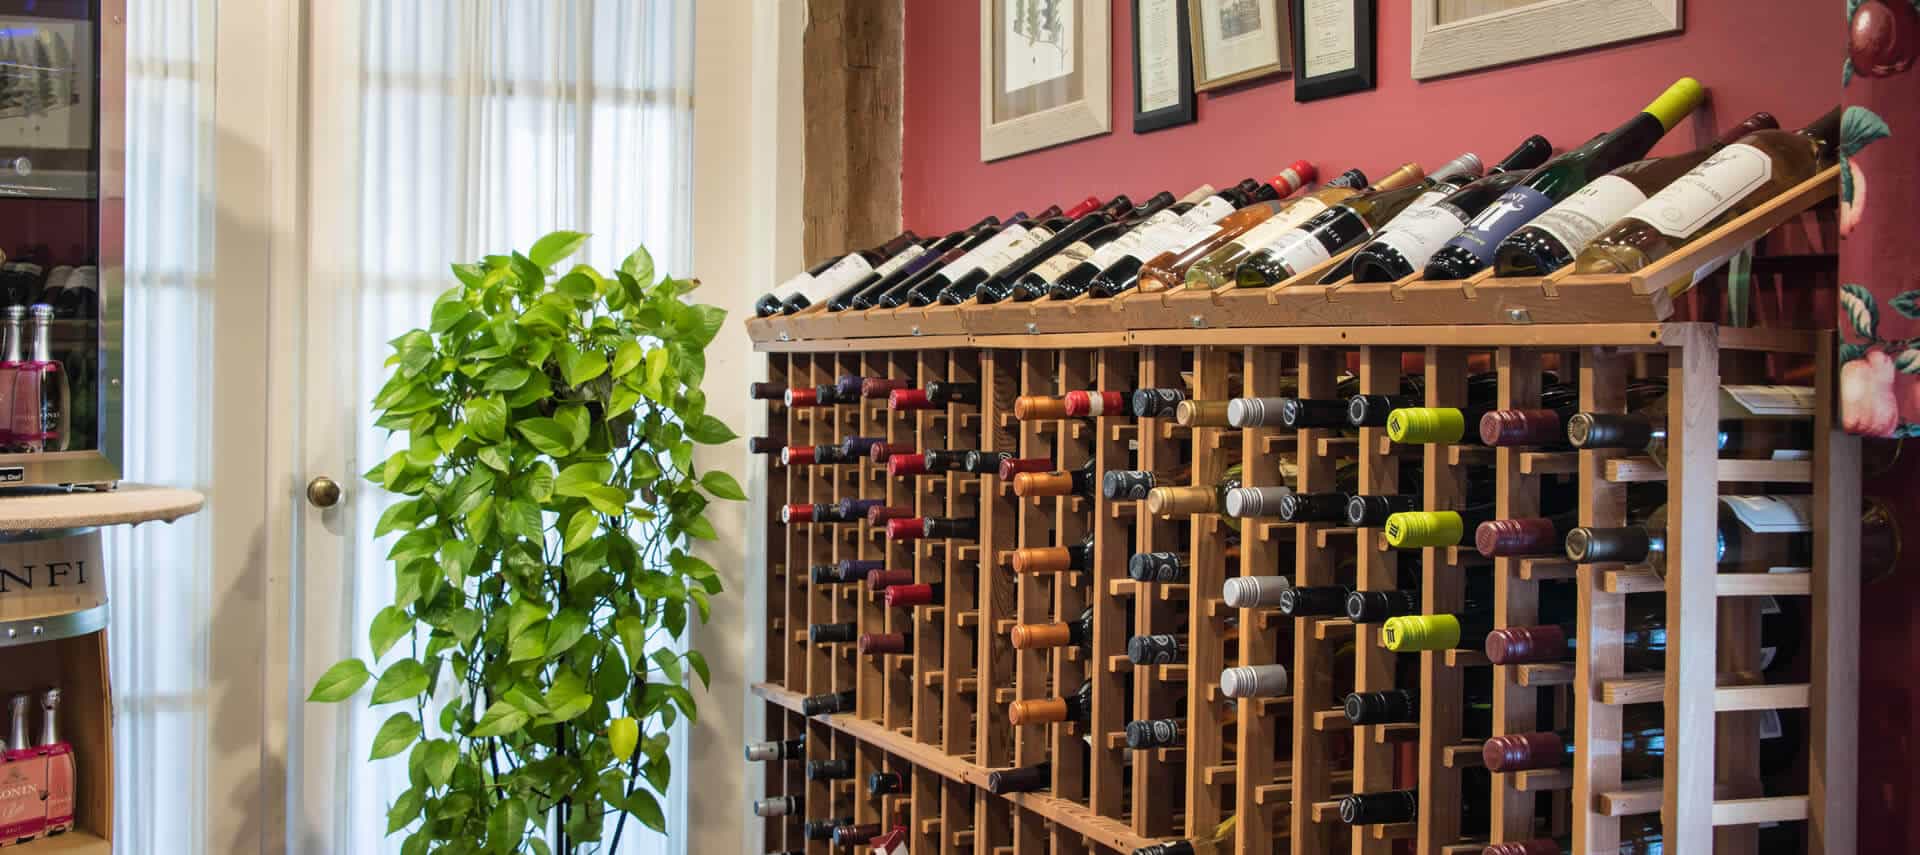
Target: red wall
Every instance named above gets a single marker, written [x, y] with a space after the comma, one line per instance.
[1779, 55]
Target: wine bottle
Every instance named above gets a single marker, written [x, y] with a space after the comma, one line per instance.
[885, 643]
[1167, 501]
[1219, 842]
[1639, 835]
[1473, 248]
[810, 455]
[1169, 269]
[879, 516]
[1365, 607]
[1156, 403]
[938, 393]
[828, 703]
[879, 388]
[1642, 748]
[1040, 243]
[1254, 592]
[1314, 600]
[1023, 779]
[1342, 227]
[1054, 559]
[996, 251]
[769, 303]
[881, 580]
[1043, 636]
[1010, 467]
[910, 595]
[1755, 533]
[1139, 236]
[1255, 681]
[862, 293]
[831, 633]
[1217, 267]
[1099, 231]
[933, 528]
[886, 784]
[1415, 633]
[776, 806]
[1076, 707]
[1373, 511]
[1733, 181]
[785, 749]
[853, 835]
[1517, 538]
[1121, 269]
[847, 571]
[822, 829]
[828, 770]
[1402, 705]
[1191, 413]
[1421, 529]
[1079, 482]
[1252, 502]
[851, 268]
[1755, 421]
[1643, 639]
[1555, 238]
[1083, 404]
[1166, 568]
[1313, 508]
[1386, 808]
[1409, 241]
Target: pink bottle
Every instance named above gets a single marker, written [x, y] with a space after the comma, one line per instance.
[58, 756]
[40, 394]
[12, 355]
[23, 778]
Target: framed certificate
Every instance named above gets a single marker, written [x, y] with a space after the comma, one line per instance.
[1332, 47]
[1044, 74]
[1162, 65]
[1237, 40]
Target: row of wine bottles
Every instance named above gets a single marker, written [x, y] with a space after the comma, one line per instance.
[1603, 207]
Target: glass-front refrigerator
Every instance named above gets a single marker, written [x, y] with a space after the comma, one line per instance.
[62, 155]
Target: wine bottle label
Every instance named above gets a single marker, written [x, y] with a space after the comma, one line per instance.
[1504, 217]
[1418, 234]
[1770, 726]
[1312, 248]
[1209, 212]
[1277, 226]
[1772, 514]
[1069, 257]
[1015, 250]
[1589, 211]
[1744, 402]
[1134, 240]
[966, 263]
[894, 264]
[844, 272]
[1431, 197]
[792, 286]
[1707, 192]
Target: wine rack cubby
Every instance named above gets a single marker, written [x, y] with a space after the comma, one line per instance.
[1279, 765]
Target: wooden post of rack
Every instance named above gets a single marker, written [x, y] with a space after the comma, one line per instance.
[999, 533]
[1693, 486]
[1601, 619]
[929, 500]
[1118, 371]
[1311, 668]
[1072, 449]
[1375, 668]
[871, 673]
[1033, 601]
[962, 575]
[1205, 651]
[1154, 805]
[1261, 548]
[1443, 591]
[901, 429]
[1516, 601]
[1832, 753]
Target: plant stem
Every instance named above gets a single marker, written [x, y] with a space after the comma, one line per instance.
[620, 825]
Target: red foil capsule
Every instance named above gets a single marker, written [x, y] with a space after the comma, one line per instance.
[902, 465]
[881, 452]
[911, 528]
[909, 399]
[803, 397]
[1095, 404]
[1014, 466]
[797, 455]
[879, 515]
[908, 596]
[880, 643]
[796, 513]
[1516, 752]
[880, 387]
[880, 580]
[1508, 538]
[1086, 206]
[1520, 645]
[1522, 427]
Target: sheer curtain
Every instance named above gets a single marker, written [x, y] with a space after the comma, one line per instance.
[162, 588]
[483, 125]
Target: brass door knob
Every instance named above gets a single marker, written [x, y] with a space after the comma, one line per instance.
[323, 492]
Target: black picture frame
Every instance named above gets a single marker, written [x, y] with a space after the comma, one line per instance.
[1359, 78]
[1184, 112]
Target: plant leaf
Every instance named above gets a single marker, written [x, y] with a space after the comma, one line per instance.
[556, 247]
[1857, 303]
[448, 315]
[698, 662]
[1859, 128]
[499, 720]
[639, 265]
[1908, 361]
[723, 485]
[607, 499]
[644, 808]
[575, 479]
[404, 680]
[547, 435]
[442, 757]
[405, 810]
[568, 697]
[574, 418]
[388, 627]
[340, 681]
[708, 430]
[531, 644]
[580, 529]
[507, 827]
[627, 357]
[1907, 304]
[507, 378]
[395, 736]
[488, 418]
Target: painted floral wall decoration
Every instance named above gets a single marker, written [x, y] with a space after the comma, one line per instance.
[1879, 193]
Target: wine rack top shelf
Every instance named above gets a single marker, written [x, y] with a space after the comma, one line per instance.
[1643, 298]
[43, 510]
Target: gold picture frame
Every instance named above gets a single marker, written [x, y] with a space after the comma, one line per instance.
[1045, 74]
[1235, 41]
[1452, 36]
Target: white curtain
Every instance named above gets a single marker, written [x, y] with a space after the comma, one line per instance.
[483, 125]
[163, 605]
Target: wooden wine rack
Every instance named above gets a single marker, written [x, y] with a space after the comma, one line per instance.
[938, 717]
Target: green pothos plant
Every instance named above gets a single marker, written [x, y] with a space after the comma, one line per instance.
[542, 579]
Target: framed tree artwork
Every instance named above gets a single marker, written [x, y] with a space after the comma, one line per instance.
[1162, 65]
[1044, 74]
[1332, 47]
[1235, 41]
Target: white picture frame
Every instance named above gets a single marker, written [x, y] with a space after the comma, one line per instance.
[1541, 28]
[1073, 104]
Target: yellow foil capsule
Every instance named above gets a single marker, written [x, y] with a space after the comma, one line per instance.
[1419, 425]
[1414, 633]
[1418, 529]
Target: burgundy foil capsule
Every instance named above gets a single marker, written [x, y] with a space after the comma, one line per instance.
[881, 643]
[881, 452]
[877, 516]
[1520, 645]
[902, 465]
[908, 596]
[1525, 847]
[1014, 466]
[1095, 404]
[880, 387]
[796, 513]
[797, 455]
[1516, 752]
[909, 399]
[1508, 538]
[881, 580]
[803, 397]
[766, 391]
[911, 528]
[1522, 427]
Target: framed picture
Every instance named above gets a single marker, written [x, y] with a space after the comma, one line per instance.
[1162, 65]
[1044, 74]
[1238, 40]
[1332, 47]
[1451, 36]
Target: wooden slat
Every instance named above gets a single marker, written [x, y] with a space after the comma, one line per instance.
[1693, 395]
[1640, 470]
[1832, 752]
